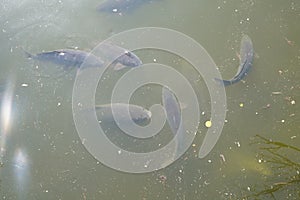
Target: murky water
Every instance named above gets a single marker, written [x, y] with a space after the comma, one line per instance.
[41, 153]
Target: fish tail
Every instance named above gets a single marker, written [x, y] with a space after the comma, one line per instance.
[223, 82]
[27, 54]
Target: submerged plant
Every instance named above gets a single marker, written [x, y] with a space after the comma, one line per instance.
[286, 169]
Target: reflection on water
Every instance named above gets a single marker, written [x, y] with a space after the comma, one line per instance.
[21, 171]
[6, 114]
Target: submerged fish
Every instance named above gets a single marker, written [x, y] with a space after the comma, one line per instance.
[173, 114]
[138, 114]
[68, 58]
[120, 6]
[246, 61]
[172, 109]
[124, 58]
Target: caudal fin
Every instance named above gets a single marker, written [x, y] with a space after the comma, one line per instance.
[223, 82]
[28, 55]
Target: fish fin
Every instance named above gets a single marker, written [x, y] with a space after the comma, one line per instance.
[223, 82]
[28, 55]
[118, 66]
[98, 107]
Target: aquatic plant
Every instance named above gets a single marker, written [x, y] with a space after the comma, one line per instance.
[286, 169]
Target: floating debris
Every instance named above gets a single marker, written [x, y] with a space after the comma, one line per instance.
[241, 105]
[208, 124]
[293, 102]
[223, 157]
[276, 93]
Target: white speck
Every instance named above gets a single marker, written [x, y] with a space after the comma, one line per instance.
[293, 102]
[180, 170]
[219, 7]
[24, 85]
[79, 104]
[248, 19]
[209, 161]
[58, 104]
[3, 30]
[259, 160]
[256, 113]
[293, 137]
[282, 121]
[154, 60]
[119, 152]
[223, 157]
[237, 143]
[236, 10]
[248, 188]
[115, 10]
[226, 120]
[61, 53]
[46, 191]
[203, 113]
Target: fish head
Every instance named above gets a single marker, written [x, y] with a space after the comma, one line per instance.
[129, 59]
[141, 116]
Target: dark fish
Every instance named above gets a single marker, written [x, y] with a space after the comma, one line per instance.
[172, 108]
[246, 61]
[120, 6]
[68, 57]
[173, 112]
[138, 114]
[125, 59]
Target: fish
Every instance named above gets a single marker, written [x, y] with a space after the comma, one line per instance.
[121, 57]
[246, 62]
[120, 6]
[138, 114]
[172, 109]
[173, 115]
[68, 58]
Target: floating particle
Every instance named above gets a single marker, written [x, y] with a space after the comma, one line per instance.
[293, 102]
[241, 105]
[223, 157]
[208, 124]
[276, 93]
[24, 85]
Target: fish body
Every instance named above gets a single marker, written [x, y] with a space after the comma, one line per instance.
[172, 109]
[121, 57]
[68, 57]
[246, 61]
[120, 6]
[173, 115]
[138, 114]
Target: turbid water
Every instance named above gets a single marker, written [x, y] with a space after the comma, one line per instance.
[42, 156]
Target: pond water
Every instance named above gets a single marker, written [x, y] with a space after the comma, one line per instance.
[42, 155]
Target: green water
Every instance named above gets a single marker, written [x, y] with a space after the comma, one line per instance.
[41, 153]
